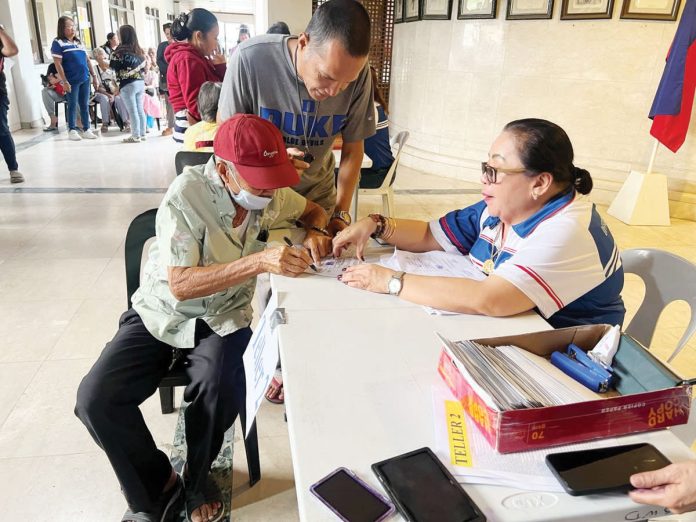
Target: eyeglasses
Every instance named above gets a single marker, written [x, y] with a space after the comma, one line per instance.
[491, 173]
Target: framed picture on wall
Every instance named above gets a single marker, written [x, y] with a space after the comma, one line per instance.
[398, 11]
[650, 9]
[529, 9]
[586, 9]
[412, 10]
[476, 9]
[437, 9]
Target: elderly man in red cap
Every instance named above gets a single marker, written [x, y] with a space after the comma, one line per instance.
[196, 295]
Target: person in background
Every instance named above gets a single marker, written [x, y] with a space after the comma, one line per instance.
[151, 101]
[198, 283]
[128, 61]
[111, 44]
[672, 487]
[194, 59]
[74, 68]
[152, 55]
[199, 137]
[162, 66]
[279, 28]
[377, 147]
[108, 85]
[536, 241]
[7, 48]
[53, 92]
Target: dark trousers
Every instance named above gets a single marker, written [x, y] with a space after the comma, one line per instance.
[7, 145]
[128, 371]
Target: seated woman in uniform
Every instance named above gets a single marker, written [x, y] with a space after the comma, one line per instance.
[542, 245]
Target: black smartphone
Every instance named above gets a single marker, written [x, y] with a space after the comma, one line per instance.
[423, 490]
[351, 499]
[600, 470]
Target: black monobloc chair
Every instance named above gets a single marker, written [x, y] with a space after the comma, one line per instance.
[185, 158]
[140, 230]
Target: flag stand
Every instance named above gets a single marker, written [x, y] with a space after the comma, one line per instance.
[643, 198]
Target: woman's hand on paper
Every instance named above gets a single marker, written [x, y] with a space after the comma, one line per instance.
[374, 278]
[357, 234]
[673, 487]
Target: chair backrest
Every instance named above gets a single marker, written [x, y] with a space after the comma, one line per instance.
[397, 141]
[140, 230]
[667, 278]
[185, 158]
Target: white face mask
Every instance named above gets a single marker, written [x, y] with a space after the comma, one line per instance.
[247, 200]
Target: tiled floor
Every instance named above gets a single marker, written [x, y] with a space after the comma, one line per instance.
[62, 289]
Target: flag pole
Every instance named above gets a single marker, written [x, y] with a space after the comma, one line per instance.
[651, 163]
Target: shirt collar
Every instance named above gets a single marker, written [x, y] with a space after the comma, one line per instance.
[527, 226]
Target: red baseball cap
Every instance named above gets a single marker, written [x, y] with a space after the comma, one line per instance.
[257, 150]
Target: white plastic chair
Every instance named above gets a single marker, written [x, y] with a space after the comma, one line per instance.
[385, 190]
[667, 278]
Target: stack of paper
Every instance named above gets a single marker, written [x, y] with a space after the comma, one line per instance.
[510, 378]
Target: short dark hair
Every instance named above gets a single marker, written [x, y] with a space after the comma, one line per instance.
[166, 26]
[545, 147]
[208, 99]
[197, 19]
[109, 36]
[279, 28]
[344, 20]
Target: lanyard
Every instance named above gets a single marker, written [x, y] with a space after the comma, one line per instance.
[308, 156]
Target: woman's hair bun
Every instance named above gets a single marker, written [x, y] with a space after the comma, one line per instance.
[583, 180]
[179, 29]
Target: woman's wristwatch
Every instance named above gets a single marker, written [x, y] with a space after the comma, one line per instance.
[342, 215]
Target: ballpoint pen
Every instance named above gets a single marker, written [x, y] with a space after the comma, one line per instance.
[290, 244]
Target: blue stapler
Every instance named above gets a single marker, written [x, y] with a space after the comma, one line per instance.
[578, 365]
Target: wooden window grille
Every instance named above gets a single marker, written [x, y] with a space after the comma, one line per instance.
[382, 37]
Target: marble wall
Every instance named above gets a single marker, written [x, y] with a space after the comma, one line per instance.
[456, 83]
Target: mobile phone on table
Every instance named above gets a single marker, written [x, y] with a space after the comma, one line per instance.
[424, 490]
[350, 498]
[601, 470]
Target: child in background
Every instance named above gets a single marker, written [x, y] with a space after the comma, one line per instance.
[199, 137]
[151, 101]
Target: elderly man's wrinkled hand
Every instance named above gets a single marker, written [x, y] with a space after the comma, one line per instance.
[374, 278]
[673, 487]
[357, 234]
[318, 244]
[285, 260]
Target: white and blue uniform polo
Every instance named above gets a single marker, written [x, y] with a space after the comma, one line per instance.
[563, 257]
[74, 56]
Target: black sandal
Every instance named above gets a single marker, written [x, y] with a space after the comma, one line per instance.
[164, 508]
[212, 494]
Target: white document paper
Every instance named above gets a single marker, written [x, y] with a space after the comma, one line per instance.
[260, 361]
[433, 263]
